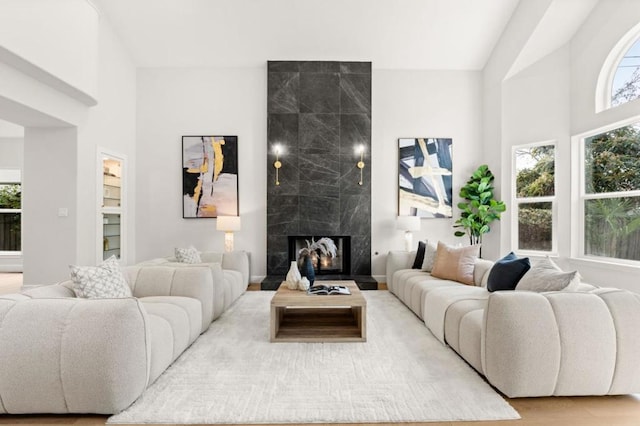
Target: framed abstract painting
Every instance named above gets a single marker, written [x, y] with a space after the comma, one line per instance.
[209, 176]
[424, 177]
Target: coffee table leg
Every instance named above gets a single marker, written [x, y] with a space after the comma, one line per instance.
[275, 322]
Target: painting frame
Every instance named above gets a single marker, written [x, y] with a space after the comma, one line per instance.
[209, 176]
[425, 177]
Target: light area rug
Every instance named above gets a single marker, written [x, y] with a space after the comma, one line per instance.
[233, 374]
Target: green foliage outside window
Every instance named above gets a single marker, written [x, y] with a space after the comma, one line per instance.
[612, 165]
[10, 223]
[535, 177]
[10, 196]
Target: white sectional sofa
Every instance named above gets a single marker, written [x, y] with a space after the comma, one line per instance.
[64, 354]
[529, 344]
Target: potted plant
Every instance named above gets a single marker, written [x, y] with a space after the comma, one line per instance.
[480, 208]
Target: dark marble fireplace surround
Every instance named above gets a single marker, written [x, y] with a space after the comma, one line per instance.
[318, 112]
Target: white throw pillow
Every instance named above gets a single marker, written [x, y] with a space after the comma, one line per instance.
[429, 256]
[188, 255]
[99, 282]
[547, 276]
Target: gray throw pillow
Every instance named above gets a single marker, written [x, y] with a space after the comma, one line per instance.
[188, 255]
[429, 256]
[99, 282]
[547, 276]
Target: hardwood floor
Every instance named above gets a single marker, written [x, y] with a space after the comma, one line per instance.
[559, 411]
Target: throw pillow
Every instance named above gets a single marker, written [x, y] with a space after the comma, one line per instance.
[187, 255]
[547, 276]
[417, 263]
[506, 272]
[455, 263]
[429, 256]
[97, 282]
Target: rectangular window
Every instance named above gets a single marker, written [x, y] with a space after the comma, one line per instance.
[611, 194]
[534, 198]
[10, 211]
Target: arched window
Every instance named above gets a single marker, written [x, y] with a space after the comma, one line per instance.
[625, 86]
[619, 80]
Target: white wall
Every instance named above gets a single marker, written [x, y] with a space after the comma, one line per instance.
[180, 102]
[420, 104]
[110, 125]
[177, 102]
[49, 183]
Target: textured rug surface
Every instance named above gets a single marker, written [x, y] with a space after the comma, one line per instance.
[233, 374]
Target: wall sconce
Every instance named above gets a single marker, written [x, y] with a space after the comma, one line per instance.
[277, 164]
[360, 164]
[228, 224]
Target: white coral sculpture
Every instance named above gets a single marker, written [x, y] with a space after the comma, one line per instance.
[324, 244]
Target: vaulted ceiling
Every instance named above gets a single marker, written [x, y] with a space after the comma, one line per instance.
[393, 34]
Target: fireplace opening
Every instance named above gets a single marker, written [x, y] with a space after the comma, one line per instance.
[323, 264]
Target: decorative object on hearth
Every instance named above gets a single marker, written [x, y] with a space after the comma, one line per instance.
[425, 170]
[228, 224]
[479, 208]
[209, 176]
[408, 224]
[309, 254]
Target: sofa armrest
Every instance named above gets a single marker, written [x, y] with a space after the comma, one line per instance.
[72, 355]
[237, 261]
[201, 282]
[562, 343]
[397, 260]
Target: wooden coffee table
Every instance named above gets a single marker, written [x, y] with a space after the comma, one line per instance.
[300, 317]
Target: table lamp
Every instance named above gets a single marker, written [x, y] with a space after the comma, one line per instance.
[408, 224]
[228, 224]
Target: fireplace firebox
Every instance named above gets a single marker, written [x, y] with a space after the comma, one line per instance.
[323, 264]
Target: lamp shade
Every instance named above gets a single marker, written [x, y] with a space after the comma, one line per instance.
[228, 223]
[408, 223]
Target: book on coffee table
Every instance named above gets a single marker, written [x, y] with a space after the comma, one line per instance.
[328, 289]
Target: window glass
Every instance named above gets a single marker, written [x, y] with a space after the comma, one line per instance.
[612, 160]
[535, 197]
[626, 80]
[611, 199]
[535, 230]
[10, 216]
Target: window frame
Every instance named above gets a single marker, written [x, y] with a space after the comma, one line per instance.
[14, 253]
[604, 84]
[581, 196]
[516, 201]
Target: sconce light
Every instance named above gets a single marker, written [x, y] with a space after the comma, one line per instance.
[360, 164]
[277, 164]
[228, 224]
